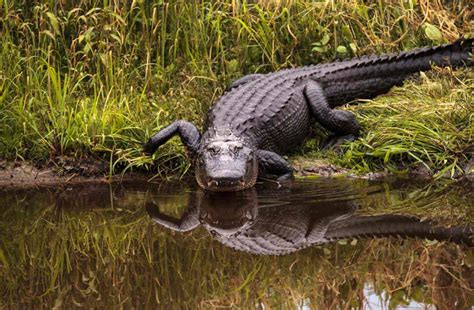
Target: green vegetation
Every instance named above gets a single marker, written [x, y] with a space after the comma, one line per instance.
[431, 124]
[426, 125]
[96, 79]
[94, 246]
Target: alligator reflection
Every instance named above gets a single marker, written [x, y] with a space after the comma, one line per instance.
[279, 222]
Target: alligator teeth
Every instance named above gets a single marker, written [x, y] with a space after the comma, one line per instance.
[248, 215]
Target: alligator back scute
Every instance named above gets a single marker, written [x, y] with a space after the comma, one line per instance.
[369, 76]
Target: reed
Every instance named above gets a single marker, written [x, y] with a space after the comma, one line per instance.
[96, 78]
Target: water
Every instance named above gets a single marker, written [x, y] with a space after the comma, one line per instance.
[341, 243]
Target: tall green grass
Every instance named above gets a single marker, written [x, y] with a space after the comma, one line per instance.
[428, 125]
[424, 127]
[96, 78]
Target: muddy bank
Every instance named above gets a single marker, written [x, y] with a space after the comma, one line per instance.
[323, 168]
[21, 173]
[64, 170]
[70, 171]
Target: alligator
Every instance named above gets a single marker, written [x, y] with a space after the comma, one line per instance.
[260, 117]
[278, 228]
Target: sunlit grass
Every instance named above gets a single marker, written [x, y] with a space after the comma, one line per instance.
[427, 125]
[98, 78]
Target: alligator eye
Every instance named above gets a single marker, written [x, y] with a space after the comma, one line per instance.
[235, 149]
[213, 150]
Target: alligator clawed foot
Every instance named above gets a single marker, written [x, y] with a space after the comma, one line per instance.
[147, 149]
[285, 177]
[334, 143]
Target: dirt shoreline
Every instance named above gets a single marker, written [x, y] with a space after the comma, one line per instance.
[25, 174]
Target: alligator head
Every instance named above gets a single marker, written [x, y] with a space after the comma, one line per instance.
[225, 214]
[220, 217]
[226, 163]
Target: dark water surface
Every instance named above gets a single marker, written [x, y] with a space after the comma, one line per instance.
[309, 244]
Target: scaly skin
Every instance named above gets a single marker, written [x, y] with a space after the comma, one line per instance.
[263, 116]
[240, 223]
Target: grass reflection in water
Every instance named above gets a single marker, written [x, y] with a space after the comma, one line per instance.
[96, 246]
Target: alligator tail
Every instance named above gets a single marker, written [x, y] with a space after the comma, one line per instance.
[367, 77]
[398, 226]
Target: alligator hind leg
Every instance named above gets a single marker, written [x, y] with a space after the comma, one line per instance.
[337, 121]
[270, 163]
[188, 133]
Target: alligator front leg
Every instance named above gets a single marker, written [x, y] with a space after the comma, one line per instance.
[188, 133]
[270, 163]
[342, 123]
[187, 222]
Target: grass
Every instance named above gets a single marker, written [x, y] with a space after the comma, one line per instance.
[425, 125]
[428, 123]
[94, 246]
[96, 79]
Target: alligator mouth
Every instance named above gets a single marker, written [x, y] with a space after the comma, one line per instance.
[226, 185]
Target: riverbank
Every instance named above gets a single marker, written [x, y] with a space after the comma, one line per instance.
[69, 171]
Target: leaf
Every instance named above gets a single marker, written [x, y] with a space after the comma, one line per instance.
[53, 21]
[104, 59]
[341, 49]
[325, 39]
[346, 31]
[432, 32]
[397, 299]
[353, 47]
[49, 34]
[233, 65]
[116, 38]
[87, 48]
[417, 294]
[318, 49]
[431, 242]
[363, 11]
